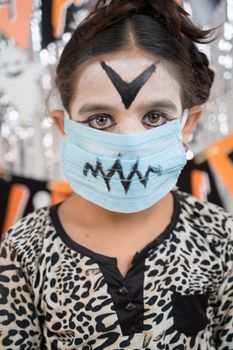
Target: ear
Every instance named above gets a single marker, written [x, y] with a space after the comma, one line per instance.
[58, 117]
[194, 114]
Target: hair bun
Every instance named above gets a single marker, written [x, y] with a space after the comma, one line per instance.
[203, 75]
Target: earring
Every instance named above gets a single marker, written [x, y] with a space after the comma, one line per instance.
[188, 151]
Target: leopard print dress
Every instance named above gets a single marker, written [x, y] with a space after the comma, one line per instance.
[55, 294]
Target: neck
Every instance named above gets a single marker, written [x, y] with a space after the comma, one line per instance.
[96, 215]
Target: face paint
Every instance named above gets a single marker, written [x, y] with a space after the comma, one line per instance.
[128, 91]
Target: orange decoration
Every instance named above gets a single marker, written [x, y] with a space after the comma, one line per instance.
[15, 21]
[200, 184]
[219, 160]
[17, 201]
[59, 8]
[59, 191]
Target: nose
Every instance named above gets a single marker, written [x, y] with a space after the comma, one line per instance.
[129, 126]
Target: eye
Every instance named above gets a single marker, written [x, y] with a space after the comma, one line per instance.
[101, 121]
[155, 119]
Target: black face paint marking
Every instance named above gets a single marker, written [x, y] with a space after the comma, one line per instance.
[117, 168]
[128, 91]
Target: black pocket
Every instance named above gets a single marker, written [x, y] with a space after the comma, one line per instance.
[189, 312]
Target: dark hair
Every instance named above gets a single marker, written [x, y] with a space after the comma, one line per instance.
[159, 27]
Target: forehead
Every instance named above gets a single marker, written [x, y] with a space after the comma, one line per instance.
[93, 83]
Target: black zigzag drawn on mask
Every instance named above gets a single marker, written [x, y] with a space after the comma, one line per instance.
[117, 168]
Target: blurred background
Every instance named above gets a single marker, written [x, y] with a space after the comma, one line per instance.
[33, 34]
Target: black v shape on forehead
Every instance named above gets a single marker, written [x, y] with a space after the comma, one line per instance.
[128, 91]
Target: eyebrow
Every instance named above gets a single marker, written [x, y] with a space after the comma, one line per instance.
[95, 107]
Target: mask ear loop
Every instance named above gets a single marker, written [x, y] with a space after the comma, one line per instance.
[183, 122]
[66, 114]
[184, 118]
[188, 151]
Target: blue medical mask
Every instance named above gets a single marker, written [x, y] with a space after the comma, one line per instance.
[123, 173]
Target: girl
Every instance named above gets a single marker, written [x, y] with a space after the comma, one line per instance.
[128, 261]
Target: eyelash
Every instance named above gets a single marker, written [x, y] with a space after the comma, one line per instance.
[160, 114]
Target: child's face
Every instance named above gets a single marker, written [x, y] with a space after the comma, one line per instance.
[105, 100]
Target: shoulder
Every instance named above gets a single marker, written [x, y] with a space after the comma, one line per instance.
[206, 216]
[26, 237]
